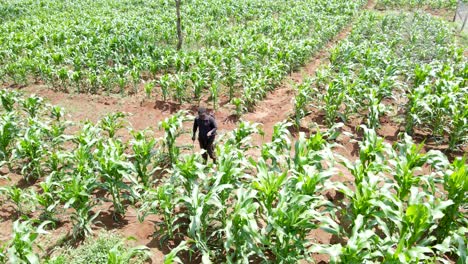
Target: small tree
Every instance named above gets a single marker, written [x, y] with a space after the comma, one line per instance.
[179, 29]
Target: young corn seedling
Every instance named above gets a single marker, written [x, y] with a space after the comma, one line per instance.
[333, 99]
[300, 102]
[360, 245]
[188, 171]
[21, 247]
[406, 161]
[268, 184]
[239, 110]
[203, 210]
[456, 186]
[241, 137]
[311, 152]
[172, 127]
[280, 144]
[19, 197]
[32, 149]
[372, 149]
[135, 73]
[199, 83]
[165, 204]
[114, 168]
[289, 223]
[143, 156]
[9, 130]
[76, 193]
[164, 83]
[118, 256]
[417, 222]
[458, 134]
[111, 123]
[178, 85]
[9, 99]
[149, 89]
[229, 166]
[243, 237]
[214, 90]
[47, 199]
[32, 105]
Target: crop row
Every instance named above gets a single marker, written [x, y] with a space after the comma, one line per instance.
[402, 205]
[241, 48]
[405, 67]
[451, 4]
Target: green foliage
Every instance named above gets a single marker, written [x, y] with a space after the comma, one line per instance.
[106, 248]
[111, 123]
[144, 156]
[114, 169]
[172, 127]
[392, 62]
[241, 48]
[20, 248]
[409, 4]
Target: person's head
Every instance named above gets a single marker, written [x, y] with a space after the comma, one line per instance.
[202, 112]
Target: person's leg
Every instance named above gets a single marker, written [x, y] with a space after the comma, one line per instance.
[203, 145]
[210, 149]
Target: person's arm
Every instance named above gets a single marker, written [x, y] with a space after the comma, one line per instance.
[214, 127]
[195, 127]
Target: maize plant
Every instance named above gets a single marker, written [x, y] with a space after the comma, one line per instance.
[162, 201]
[280, 143]
[114, 168]
[456, 185]
[9, 99]
[173, 128]
[214, 90]
[22, 199]
[149, 89]
[164, 83]
[300, 102]
[268, 184]
[31, 149]
[111, 123]
[144, 157]
[75, 193]
[20, 248]
[32, 105]
[243, 238]
[8, 134]
[48, 199]
[406, 161]
[241, 136]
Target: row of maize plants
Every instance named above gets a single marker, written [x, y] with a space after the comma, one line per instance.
[402, 206]
[410, 4]
[406, 67]
[240, 49]
[64, 172]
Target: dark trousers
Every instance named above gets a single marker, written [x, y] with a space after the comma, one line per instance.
[207, 144]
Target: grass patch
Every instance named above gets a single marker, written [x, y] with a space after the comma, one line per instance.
[103, 249]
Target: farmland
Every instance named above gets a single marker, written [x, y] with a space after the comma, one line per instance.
[343, 132]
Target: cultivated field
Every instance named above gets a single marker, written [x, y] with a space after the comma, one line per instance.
[343, 132]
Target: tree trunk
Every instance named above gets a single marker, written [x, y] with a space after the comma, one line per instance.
[179, 30]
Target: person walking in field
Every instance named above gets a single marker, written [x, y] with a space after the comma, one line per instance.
[206, 124]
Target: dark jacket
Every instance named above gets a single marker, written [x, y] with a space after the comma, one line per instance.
[205, 126]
